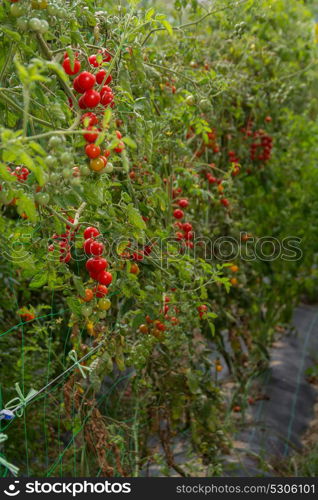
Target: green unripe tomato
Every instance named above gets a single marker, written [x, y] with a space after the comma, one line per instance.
[61, 13]
[42, 198]
[54, 177]
[52, 10]
[67, 173]
[104, 304]
[84, 170]
[205, 104]
[109, 168]
[102, 314]
[66, 158]
[190, 100]
[35, 24]
[55, 141]
[22, 23]
[51, 161]
[16, 10]
[44, 26]
[86, 311]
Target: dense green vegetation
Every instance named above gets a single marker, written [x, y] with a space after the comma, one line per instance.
[206, 130]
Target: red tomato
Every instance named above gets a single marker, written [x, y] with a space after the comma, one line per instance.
[69, 69]
[92, 150]
[105, 278]
[91, 232]
[96, 248]
[93, 61]
[91, 98]
[184, 203]
[178, 214]
[93, 120]
[101, 291]
[86, 80]
[90, 136]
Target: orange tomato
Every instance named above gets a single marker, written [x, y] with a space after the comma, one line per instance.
[89, 294]
[96, 164]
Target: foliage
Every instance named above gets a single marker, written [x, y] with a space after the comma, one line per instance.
[193, 90]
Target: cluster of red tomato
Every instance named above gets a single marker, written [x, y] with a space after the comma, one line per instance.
[214, 180]
[21, 173]
[202, 309]
[259, 151]
[211, 144]
[185, 228]
[64, 243]
[96, 265]
[235, 162]
[265, 146]
[84, 84]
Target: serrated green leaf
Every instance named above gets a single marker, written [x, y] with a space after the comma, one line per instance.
[130, 142]
[39, 280]
[135, 218]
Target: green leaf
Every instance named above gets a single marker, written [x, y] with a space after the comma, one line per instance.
[150, 13]
[79, 286]
[121, 246]
[168, 27]
[135, 218]
[6, 175]
[13, 35]
[39, 280]
[26, 205]
[74, 305]
[130, 142]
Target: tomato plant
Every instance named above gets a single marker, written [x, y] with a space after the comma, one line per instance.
[130, 150]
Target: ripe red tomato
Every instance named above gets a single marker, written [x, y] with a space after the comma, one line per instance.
[187, 227]
[106, 98]
[183, 203]
[225, 202]
[65, 258]
[96, 264]
[93, 61]
[138, 255]
[91, 232]
[87, 246]
[82, 103]
[69, 69]
[178, 214]
[90, 136]
[101, 75]
[89, 119]
[188, 235]
[77, 86]
[96, 248]
[104, 159]
[101, 291]
[91, 98]
[92, 150]
[105, 278]
[120, 147]
[86, 80]
[119, 134]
